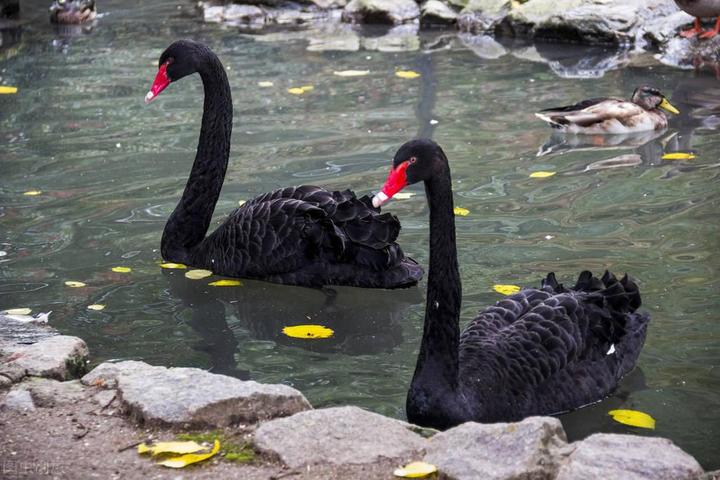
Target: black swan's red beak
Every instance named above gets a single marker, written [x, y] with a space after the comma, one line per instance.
[396, 181]
[160, 83]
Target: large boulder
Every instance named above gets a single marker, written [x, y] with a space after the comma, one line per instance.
[435, 12]
[340, 435]
[499, 451]
[630, 457]
[381, 11]
[191, 397]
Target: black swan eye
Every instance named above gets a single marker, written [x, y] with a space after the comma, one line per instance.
[412, 159]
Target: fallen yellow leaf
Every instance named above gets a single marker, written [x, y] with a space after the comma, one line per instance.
[633, 418]
[308, 331]
[403, 195]
[122, 269]
[226, 283]
[197, 274]
[18, 311]
[542, 174]
[170, 447]
[265, 84]
[190, 458]
[506, 289]
[678, 156]
[32, 193]
[351, 73]
[173, 265]
[300, 90]
[5, 90]
[406, 74]
[74, 284]
[307, 88]
[96, 306]
[415, 470]
[463, 212]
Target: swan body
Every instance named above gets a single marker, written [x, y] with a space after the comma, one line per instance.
[643, 112]
[303, 235]
[538, 352]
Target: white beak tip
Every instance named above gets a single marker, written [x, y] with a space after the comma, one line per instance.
[149, 97]
[379, 199]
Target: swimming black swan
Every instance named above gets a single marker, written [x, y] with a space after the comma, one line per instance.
[537, 352]
[297, 235]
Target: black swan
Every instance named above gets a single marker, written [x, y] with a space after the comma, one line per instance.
[302, 235]
[537, 352]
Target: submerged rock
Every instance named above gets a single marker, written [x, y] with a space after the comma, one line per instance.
[340, 435]
[193, 397]
[606, 455]
[527, 449]
[381, 11]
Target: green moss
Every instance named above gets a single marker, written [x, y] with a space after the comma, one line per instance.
[229, 450]
[76, 367]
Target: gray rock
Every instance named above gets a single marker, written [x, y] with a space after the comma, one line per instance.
[484, 46]
[193, 397]
[381, 11]
[239, 14]
[61, 357]
[480, 16]
[326, 4]
[18, 401]
[523, 450]
[630, 457]
[49, 393]
[437, 12]
[340, 435]
[402, 38]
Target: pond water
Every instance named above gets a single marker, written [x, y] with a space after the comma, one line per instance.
[111, 169]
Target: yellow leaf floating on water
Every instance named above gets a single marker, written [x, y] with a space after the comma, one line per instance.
[96, 306]
[265, 84]
[542, 174]
[463, 212]
[74, 284]
[406, 74]
[403, 195]
[190, 458]
[172, 265]
[5, 90]
[308, 331]
[300, 90]
[633, 418]
[197, 274]
[121, 269]
[226, 283]
[506, 289]
[18, 311]
[678, 156]
[32, 193]
[415, 470]
[170, 447]
[351, 73]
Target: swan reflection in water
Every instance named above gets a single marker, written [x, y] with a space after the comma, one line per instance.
[364, 321]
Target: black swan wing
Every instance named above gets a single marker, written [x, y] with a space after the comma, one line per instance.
[528, 338]
[291, 228]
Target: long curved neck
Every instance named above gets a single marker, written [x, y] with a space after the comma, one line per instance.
[437, 364]
[188, 224]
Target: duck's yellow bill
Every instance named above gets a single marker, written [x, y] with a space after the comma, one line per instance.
[665, 105]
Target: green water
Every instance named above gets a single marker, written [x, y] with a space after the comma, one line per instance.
[111, 170]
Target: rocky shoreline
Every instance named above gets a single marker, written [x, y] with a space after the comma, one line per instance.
[60, 420]
[640, 26]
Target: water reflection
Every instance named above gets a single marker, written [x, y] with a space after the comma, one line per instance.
[364, 321]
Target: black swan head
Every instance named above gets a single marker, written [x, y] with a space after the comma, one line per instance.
[650, 98]
[180, 59]
[415, 161]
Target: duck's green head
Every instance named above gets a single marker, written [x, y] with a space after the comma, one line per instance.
[650, 98]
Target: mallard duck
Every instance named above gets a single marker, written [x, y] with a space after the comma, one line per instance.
[605, 115]
[701, 9]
